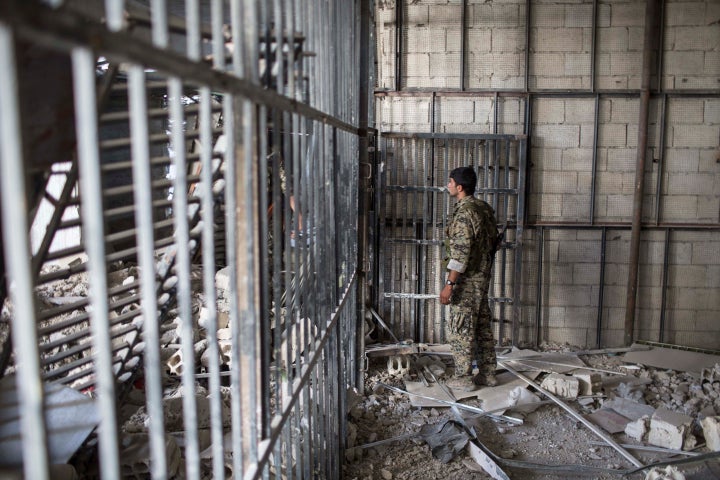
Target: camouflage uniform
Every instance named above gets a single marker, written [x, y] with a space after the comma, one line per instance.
[470, 245]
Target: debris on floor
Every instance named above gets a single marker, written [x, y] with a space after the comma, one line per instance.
[660, 414]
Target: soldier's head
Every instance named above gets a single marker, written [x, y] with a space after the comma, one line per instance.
[465, 177]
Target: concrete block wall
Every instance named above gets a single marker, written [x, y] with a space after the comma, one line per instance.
[691, 45]
[685, 166]
[496, 44]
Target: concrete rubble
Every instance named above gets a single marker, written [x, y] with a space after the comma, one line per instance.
[660, 409]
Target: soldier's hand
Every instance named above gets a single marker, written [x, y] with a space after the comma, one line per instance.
[445, 295]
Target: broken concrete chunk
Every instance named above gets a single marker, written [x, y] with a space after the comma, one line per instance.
[672, 430]
[398, 365]
[667, 473]
[711, 431]
[629, 408]
[638, 429]
[564, 386]
[710, 374]
[590, 382]
[523, 400]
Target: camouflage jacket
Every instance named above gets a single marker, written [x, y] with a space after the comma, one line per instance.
[470, 236]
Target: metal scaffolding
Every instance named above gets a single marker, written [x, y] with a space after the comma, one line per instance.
[213, 149]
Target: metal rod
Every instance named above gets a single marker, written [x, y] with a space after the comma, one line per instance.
[182, 259]
[143, 218]
[661, 159]
[17, 257]
[601, 290]
[92, 219]
[648, 48]
[538, 285]
[664, 286]
[463, 43]
[593, 177]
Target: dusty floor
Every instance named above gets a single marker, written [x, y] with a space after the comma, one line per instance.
[549, 435]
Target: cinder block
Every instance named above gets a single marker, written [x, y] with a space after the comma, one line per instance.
[680, 63]
[575, 207]
[585, 186]
[590, 382]
[691, 184]
[685, 13]
[680, 208]
[416, 15]
[619, 206]
[670, 429]
[682, 160]
[587, 135]
[625, 63]
[546, 63]
[685, 111]
[578, 15]
[560, 182]
[569, 295]
[548, 15]
[627, 14]
[703, 136]
[418, 64]
[564, 386]
[581, 111]
[708, 207]
[586, 274]
[613, 39]
[445, 14]
[508, 40]
[563, 136]
[638, 429]
[557, 39]
[612, 135]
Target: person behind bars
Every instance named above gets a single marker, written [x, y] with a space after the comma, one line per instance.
[470, 243]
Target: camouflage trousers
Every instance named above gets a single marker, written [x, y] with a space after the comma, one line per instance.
[470, 329]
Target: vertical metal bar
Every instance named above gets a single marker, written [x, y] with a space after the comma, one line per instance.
[415, 250]
[218, 42]
[231, 233]
[649, 47]
[601, 283]
[182, 259]
[661, 158]
[663, 301]
[593, 45]
[495, 113]
[528, 18]
[538, 286]
[519, 235]
[208, 253]
[158, 12]
[208, 256]
[277, 24]
[17, 256]
[93, 230]
[398, 43]
[661, 40]
[114, 13]
[423, 271]
[593, 178]
[145, 240]
[463, 43]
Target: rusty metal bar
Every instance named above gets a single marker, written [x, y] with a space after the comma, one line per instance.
[649, 47]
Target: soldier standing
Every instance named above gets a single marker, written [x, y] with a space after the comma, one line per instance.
[470, 241]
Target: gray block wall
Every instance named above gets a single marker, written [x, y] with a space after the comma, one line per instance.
[584, 135]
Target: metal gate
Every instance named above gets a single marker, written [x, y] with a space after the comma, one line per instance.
[413, 208]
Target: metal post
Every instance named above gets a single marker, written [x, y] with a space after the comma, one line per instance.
[648, 49]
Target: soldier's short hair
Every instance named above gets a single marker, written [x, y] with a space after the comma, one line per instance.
[466, 177]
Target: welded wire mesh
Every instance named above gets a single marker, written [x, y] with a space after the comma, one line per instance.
[414, 212]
